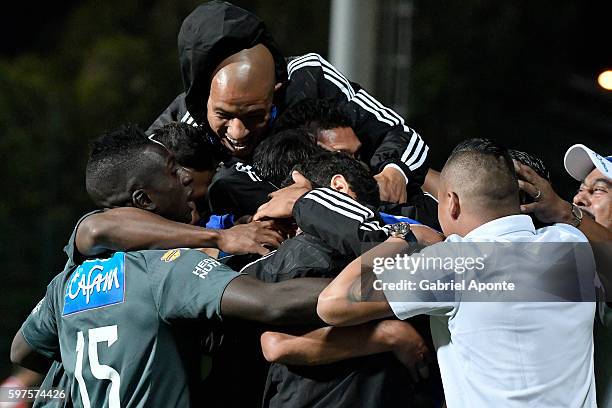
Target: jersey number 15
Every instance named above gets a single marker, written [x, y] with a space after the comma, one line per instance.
[97, 335]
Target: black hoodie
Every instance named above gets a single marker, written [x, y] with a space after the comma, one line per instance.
[216, 30]
[210, 34]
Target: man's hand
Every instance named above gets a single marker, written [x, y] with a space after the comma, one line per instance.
[548, 207]
[249, 238]
[408, 346]
[282, 201]
[392, 186]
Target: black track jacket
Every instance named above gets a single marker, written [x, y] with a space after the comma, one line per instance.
[216, 30]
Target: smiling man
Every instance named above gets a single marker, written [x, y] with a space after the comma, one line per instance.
[237, 82]
[591, 212]
[595, 175]
[239, 106]
[591, 208]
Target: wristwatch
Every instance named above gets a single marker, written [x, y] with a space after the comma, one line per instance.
[577, 214]
[399, 230]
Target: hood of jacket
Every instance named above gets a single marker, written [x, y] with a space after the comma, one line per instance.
[210, 34]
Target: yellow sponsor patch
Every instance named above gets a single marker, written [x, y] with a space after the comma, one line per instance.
[171, 255]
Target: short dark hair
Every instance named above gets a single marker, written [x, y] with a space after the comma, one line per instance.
[113, 159]
[484, 171]
[540, 168]
[532, 161]
[275, 156]
[486, 147]
[320, 169]
[314, 115]
[188, 144]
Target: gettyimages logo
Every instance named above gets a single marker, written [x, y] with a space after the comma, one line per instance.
[480, 272]
[417, 262]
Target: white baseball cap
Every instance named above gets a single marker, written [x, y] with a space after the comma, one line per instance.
[580, 161]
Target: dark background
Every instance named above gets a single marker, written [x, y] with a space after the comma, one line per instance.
[519, 71]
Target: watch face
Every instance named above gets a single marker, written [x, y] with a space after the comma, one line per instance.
[400, 229]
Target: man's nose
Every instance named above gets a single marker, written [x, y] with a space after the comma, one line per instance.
[582, 199]
[236, 129]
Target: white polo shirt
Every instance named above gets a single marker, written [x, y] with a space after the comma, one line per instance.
[513, 354]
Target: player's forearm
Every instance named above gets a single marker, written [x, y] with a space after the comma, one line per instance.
[286, 303]
[342, 303]
[325, 345]
[130, 229]
[294, 301]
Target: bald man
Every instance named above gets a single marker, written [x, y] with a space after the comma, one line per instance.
[240, 102]
[498, 353]
[237, 82]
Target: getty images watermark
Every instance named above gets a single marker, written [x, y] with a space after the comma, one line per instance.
[418, 262]
[480, 272]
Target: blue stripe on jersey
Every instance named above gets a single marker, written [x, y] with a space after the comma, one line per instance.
[394, 219]
[96, 283]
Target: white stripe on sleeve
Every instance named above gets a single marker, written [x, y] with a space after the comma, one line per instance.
[333, 208]
[369, 213]
[334, 201]
[421, 160]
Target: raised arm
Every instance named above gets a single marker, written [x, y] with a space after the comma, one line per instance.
[130, 229]
[398, 154]
[289, 302]
[550, 208]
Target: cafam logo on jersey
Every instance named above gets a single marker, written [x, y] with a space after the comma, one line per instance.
[96, 283]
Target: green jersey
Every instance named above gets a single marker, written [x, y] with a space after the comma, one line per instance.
[126, 327]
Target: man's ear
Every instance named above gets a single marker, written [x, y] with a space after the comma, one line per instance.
[339, 183]
[454, 207]
[140, 199]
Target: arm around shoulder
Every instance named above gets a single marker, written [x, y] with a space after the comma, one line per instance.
[289, 302]
[129, 229]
